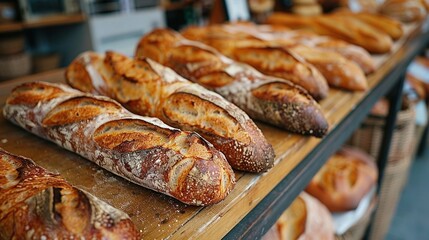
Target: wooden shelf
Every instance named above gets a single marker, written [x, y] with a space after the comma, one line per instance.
[257, 198]
[47, 21]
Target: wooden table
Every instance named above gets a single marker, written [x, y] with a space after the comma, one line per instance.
[258, 199]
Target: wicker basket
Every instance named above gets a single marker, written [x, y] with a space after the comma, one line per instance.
[14, 66]
[368, 137]
[357, 231]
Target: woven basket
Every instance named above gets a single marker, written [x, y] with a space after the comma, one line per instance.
[368, 137]
[14, 66]
[357, 231]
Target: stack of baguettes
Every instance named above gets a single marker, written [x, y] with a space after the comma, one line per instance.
[264, 48]
[373, 32]
[272, 100]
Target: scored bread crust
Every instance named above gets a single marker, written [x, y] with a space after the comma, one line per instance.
[337, 70]
[148, 88]
[347, 29]
[269, 59]
[268, 99]
[344, 180]
[37, 204]
[288, 37]
[140, 149]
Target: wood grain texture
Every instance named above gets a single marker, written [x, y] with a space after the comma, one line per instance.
[158, 216]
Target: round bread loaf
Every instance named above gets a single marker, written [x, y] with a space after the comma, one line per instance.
[306, 218]
[344, 180]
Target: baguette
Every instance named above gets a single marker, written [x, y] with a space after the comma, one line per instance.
[37, 204]
[142, 150]
[287, 37]
[271, 60]
[271, 100]
[235, 41]
[383, 23]
[345, 28]
[147, 88]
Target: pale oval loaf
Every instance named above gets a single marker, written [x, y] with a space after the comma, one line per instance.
[148, 88]
[140, 149]
[37, 204]
[268, 99]
[344, 180]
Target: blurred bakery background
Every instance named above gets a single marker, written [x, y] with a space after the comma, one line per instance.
[43, 35]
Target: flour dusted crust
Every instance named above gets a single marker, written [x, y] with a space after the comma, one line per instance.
[269, 99]
[344, 180]
[148, 88]
[37, 204]
[140, 149]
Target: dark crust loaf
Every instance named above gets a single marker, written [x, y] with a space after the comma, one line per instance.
[268, 99]
[344, 180]
[148, 88]
[37, 204]
[142, 150]
[269, 59]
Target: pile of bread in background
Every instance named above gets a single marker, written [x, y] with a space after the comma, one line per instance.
[347, 179]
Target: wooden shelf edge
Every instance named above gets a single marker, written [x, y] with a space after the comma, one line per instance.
[54, 21]
[47, 21]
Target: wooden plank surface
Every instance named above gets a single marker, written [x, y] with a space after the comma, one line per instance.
[158, 216]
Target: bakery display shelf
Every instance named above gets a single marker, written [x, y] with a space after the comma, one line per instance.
[42, 22]
[256, 201]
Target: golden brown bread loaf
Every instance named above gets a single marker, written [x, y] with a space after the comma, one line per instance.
[37, 204]
[142, 150]
[289, 38]
[337, 70]
[271, 60]
[272, 100]
[305, 218]
[344, 180]
[346, 28]
[404, 10]
[150, 89]
[383, 23]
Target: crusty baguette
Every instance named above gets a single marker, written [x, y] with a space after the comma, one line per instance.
[287, 37]
[148, 88]
[142, 150]
[271, 100]
[404, 10]
[344, 180]
[383, 23]
[337, 70]
[271, 60]
[37, 204]
[345, 28]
